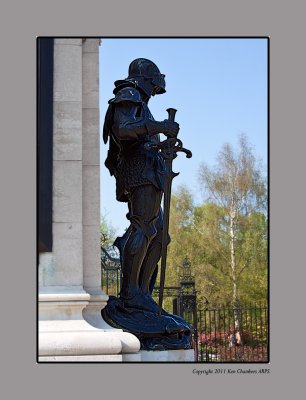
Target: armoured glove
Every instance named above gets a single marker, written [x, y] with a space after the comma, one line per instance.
[168, 128]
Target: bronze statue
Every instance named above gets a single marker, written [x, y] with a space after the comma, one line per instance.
[141, 164]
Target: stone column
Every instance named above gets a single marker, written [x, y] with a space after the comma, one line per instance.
[91, 183]
[91, 166]
[70, 296]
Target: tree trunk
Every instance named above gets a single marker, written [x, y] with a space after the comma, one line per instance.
[236, 305]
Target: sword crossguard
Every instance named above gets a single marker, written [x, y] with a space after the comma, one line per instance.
[168, 148]
[186, 151]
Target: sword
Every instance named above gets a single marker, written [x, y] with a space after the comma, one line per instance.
[168, 149]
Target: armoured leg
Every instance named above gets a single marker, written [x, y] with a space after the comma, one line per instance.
[148, 271]
[144, 204]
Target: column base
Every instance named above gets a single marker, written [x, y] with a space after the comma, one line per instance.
[64, 331]
[101, 358]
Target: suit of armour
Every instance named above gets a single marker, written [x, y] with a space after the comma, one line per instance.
[139, 181]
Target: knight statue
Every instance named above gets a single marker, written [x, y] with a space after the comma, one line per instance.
[137, 163]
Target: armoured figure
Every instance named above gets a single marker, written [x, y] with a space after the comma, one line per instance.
[129, 125]
[139, 168]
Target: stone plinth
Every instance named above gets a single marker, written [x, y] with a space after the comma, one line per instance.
[167, 356]
[141, 357]
[101, 358]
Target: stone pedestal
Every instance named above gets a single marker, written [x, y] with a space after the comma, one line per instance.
[70, 297]
[64, 332]
[167, 356]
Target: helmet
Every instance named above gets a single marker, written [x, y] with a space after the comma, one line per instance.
[145, 74]
[143, 68]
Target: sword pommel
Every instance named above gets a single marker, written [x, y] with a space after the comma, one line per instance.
[171, 113]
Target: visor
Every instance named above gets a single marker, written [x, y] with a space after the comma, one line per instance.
[159, 83]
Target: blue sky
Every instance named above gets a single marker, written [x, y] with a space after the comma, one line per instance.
[218, 86]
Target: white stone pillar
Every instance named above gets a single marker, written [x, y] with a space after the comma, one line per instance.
[70, 296]
[91, 183]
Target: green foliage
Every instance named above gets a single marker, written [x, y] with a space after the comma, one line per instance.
[107, 232]
[200, 234]
[232, 216]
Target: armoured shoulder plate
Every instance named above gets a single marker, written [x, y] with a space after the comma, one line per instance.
[127, 94]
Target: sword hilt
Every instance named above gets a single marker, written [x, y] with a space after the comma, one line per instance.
[170, 146]
[170, 142]
[171, 116]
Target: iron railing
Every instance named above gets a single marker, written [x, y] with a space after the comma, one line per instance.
[228, 334]
[110, 271]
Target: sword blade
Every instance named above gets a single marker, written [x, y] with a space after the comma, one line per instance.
[167, 200]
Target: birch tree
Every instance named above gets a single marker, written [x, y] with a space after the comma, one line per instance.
[236, 184]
